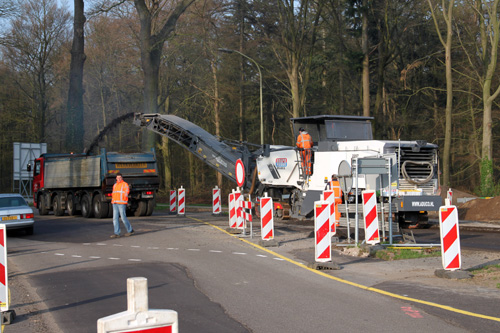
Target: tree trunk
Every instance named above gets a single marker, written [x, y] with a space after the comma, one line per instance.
[74, 115]
[366, 62]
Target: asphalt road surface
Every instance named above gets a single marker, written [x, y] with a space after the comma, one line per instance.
[76, 274]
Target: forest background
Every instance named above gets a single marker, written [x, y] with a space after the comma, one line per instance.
[424, 69]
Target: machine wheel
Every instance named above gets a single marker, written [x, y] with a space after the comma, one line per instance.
[56, 204]
[142, 207]
[86, 206]
[70, 205]
[42, 206]
[151, 207]
[100, 208]
[29, 231]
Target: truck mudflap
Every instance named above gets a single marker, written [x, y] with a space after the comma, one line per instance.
[410, 203]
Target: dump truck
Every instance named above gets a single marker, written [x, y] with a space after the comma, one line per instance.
[83, 183]
[338, 139]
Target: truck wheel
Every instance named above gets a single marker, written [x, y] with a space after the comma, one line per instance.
[42, 206]
[100, 208]
[70, 205]
[142, 208]
[86, 206]
[56, 204]
[151, 207]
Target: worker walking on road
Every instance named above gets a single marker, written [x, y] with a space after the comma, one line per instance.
[119, 201]
[305, 144]
[337, 192]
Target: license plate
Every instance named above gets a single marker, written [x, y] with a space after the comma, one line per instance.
[9, 218]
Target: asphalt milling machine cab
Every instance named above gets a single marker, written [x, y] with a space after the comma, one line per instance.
[277, 169]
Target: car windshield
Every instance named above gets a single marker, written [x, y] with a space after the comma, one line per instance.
[12, 202]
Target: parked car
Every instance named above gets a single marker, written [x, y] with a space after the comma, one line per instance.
[15, 213]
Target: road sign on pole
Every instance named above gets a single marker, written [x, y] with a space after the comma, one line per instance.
[240, 173]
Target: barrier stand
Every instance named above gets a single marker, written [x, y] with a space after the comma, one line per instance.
[216, 204]
[234, 211]
[182, 201]
[246, 215]
[450, 243]
[449, 195]
[267, 222]
[138, 318]
[370, 217]
[8, 316]
[173, 202]
[322, 236]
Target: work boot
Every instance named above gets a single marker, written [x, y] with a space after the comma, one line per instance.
[114, 236]
[129, 233]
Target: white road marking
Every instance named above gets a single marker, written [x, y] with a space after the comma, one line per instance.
[261, 255]
[215, 251]
[94, 257]
[76, 256]
[135, 260]
[117, 245]
[59, 254]
[193, 249]
[172, 248]
[240, 253]
[114, 258]
[86, 243]
[153, 248]
[136, 246]
[100, 244]
[279, 259]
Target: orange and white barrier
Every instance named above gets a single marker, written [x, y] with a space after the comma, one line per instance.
[370, 217]
[449, 195]
[322, 234]
[4, 276]
[173, 201]
[330, 197]
[450, 237]
[245, 213]
[234, 209]
[266, 218]
[216, 204]
[182, 201]
[138, 317]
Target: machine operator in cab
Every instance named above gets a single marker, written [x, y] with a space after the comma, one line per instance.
[305, 144]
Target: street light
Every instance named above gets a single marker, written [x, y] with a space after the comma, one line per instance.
[260, 77]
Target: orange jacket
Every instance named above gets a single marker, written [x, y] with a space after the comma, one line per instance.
[335, 187]
[304, 141]
[120, 193]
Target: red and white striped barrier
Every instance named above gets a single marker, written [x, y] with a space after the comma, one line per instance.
[182, 201]
[234, 208]
[246, 213]
[173, 201]
[4, 276]
[138, 317]
[322, 234]
[216, 204]
[329, 196]
[450, 237]
[449, 195]
[370, 217]
[266, 218]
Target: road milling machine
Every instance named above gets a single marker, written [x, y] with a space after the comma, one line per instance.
[347, 140]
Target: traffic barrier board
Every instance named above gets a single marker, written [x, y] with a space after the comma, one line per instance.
[266, 218]
[4, 275]
[370, 217]
[450, 238]
[322, 234]
[216, 204]
[173, 201]
[182, 201]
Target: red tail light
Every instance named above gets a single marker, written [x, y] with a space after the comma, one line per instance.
[109, 194]
[149, 192]
[27, 216]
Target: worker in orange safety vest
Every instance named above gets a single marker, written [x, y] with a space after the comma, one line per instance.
[119, 200]
[305, 144]
[337, 193]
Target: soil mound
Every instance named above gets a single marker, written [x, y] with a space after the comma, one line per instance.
[483, 210]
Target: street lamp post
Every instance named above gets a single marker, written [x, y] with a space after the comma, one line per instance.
[260, 80]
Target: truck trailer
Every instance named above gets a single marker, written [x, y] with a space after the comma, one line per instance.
[82, 183]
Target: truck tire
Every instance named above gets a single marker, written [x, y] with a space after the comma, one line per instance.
[100, 208]
[42, 206]
[71, 206]
[142, 208]
[86, 206]
[57, 206]
[151, 207]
